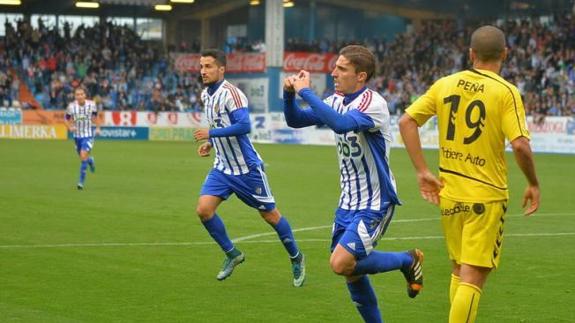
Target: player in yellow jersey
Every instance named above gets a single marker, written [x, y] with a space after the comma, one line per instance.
[476, 111]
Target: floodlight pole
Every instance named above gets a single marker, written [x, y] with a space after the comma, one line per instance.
[274, 33]
[205, 32]
[274, 46]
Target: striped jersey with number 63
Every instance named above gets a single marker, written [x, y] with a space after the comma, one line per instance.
[82, 115]
[367, 182]
[234, 155]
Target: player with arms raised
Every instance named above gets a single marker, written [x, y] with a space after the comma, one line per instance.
[360, 119]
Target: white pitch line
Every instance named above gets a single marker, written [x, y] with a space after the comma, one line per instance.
[558, 234]
[106, 244]
[184, 244]
[264, 234]
[257, 235]
[245, 239]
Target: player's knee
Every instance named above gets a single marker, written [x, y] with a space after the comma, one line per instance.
[271, 217]
[340, 266]
[204, 213]
[474, 275]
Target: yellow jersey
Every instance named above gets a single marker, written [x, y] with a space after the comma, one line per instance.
[476, 111]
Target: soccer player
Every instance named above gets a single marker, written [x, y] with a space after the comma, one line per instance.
[476, 111]
[238, 168]
[360, 119]
[81, 119]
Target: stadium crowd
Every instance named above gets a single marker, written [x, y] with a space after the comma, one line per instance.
[121, 71]
[541, 62]
[118, 68]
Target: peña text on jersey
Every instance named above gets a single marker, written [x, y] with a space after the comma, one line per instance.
[472, 87]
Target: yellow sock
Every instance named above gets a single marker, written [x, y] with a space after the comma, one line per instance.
[465, 303]
[455, 280]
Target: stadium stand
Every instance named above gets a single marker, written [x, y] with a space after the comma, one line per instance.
[541, 61]
[122, 72]
[119, 70]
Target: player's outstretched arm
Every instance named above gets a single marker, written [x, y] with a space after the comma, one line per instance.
[429, 185]
[524, 158]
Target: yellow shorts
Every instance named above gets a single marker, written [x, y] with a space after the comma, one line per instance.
[473, 231]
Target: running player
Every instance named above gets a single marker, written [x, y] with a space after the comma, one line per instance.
[360, 119]
[82, 120]
[238, 168]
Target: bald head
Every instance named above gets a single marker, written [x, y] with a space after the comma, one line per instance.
[488, 43]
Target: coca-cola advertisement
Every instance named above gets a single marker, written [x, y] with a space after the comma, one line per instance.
[236, 63]
[256, 62]
[187, 62]
[311, 62]
[246, 63]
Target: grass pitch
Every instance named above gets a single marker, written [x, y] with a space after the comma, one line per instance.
[129, 248]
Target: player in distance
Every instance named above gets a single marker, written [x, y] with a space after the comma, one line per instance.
[82, 120]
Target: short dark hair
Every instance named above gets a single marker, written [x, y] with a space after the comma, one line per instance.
[217, 54]
[361, 58]
[81, 87]
[488, 43]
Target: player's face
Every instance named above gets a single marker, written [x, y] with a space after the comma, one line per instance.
[80, 96]
[345, 78]
[210, 71]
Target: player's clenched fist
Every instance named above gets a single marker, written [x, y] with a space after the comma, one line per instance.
[204, 149]
[301, 81]
[288, 84]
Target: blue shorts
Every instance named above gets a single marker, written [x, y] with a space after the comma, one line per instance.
[84, 144]
[252, 188]
[359, 231]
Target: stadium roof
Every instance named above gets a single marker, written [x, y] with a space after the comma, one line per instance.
[209, 8]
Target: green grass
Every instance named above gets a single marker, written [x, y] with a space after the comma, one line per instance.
[130, 248]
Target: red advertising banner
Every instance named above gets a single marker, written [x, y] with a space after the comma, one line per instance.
[152, 119]
[236, 63]
[43, 117]
[121, 118]
[246, 62]
[549, 125]
[187, 62]
[256, 62]
[311, 62]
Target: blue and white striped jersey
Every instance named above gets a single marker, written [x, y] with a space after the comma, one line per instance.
[235, 155]
[82, 115]
[367, 182]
